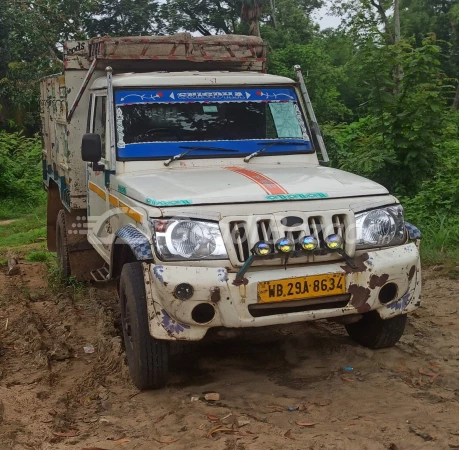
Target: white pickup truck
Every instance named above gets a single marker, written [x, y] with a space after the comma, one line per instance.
[177, 166]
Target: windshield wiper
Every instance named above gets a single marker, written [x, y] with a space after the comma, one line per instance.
[272, 144]
[197, 147]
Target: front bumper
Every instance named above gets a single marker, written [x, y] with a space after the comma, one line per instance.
[171, 318]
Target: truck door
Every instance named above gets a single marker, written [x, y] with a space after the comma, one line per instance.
[99, 233]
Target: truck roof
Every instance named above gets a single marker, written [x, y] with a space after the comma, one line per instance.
[192, 78]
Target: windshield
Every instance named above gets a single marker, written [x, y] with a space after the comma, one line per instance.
[151, 117]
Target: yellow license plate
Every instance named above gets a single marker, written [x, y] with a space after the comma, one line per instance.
[301, 288]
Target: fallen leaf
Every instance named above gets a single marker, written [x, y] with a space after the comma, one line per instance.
[434, 364]
[288, 434]
[345, 378]
[71, 433]
[246, 433]
[306, 424]
[122, 441]
[432, 375]
[220, 429]
[165, 441]
[160, 418]
[93, 448]
[201, 427]
[213, 418]
[424, 372]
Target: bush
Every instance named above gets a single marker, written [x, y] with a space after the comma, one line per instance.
[440, 193]
[20, 167]
[400, 139]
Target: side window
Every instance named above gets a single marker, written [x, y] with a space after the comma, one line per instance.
[99, 120]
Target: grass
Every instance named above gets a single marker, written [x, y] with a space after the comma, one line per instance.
[72, 287]
[39, 256]
[440, 244]
[18, 208]
[25, 226]
[24, 233]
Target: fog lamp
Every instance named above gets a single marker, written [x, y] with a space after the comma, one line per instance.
[334, 241]
[285, 245]
[183, 291]
[309, 243]
[262, 248]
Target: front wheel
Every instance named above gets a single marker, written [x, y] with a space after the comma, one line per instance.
[373, 332]
[148, 358]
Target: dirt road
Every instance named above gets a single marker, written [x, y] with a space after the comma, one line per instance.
[280, 388]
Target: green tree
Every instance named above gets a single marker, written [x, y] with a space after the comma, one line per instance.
[293, 24]
[367, 19]
[321, 77]
[421, 17]
[204, 16]
[30, 35]
[122, 18]
[398, 142]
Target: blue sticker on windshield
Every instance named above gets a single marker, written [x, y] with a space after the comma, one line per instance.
[205, 95]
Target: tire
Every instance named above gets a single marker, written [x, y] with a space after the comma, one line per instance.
[62, 247]
[373, 332]
[148, 358]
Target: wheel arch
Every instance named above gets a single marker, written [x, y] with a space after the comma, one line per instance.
[130, 245]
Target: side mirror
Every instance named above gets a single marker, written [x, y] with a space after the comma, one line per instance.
[91, 148]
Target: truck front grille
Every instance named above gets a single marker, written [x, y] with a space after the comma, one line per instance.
[242, 233]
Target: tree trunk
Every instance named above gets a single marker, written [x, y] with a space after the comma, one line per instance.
[273, 12]
[397, 20]
[398, 70]
[382, 13]
[254, 28]
[456, 99]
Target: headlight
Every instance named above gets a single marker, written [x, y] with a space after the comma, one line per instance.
[380, 227]
[183, 240]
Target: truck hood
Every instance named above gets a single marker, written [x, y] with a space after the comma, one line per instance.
[242, 184]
